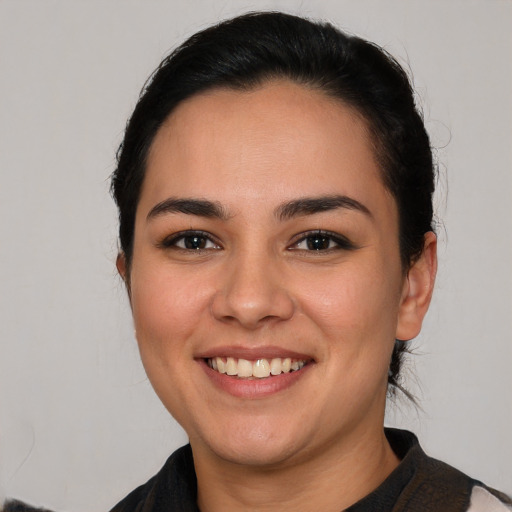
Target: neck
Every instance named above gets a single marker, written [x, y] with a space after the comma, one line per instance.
[335, 478]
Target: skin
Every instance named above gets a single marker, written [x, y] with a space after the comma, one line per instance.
[317, 444]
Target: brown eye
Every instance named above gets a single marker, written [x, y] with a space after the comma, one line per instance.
[191, 241]
[322, 241]
[194, 242]
[318, 243]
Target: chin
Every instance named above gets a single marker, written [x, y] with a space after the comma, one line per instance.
[255, 454]
[252, 446]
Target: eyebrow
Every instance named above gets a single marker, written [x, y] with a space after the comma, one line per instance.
[312, 205]
[295, 208]
[199, 207]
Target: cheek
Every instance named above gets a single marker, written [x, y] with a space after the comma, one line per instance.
[166, 310]
[356, 310]
[358, 298]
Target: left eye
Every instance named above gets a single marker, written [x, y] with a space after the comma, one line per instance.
[321, 242]
[192, 241]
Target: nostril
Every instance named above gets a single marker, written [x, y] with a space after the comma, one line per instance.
[252, 307]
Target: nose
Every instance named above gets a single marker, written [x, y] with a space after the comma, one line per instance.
[252, 293]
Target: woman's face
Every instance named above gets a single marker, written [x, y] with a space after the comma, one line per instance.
[264, 242]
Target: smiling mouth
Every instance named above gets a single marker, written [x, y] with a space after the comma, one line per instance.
[257, 369]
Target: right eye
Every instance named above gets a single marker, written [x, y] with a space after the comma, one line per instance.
[191, 241]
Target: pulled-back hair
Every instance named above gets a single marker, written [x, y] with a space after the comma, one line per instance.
[250, 50]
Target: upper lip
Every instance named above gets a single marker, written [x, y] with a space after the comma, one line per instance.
[253, 353]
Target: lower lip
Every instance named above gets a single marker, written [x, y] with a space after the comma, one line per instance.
[254, 388]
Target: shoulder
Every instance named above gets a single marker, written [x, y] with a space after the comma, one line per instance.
[434, 485]
[174, 485]
[488, 500]
[19, 506]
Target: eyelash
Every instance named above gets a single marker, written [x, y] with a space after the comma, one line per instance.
[171, 242]
[340, 242]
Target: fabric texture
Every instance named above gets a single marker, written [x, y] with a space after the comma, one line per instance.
[419, 484]
[483, 501]
[19, 506]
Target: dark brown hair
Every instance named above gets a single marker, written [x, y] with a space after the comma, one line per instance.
[249, 50]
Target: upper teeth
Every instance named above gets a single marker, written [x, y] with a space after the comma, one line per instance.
[260, 368]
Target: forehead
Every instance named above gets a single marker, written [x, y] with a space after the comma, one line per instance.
[278, 141]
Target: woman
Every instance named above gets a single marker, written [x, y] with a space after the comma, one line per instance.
[275, 202]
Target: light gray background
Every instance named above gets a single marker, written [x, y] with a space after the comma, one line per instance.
[80, 425]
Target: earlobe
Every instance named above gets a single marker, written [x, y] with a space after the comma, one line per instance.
[417, 290]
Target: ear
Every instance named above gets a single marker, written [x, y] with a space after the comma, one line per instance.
[121, 265]
[122, 268]
[417, 290]
[124, 271]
